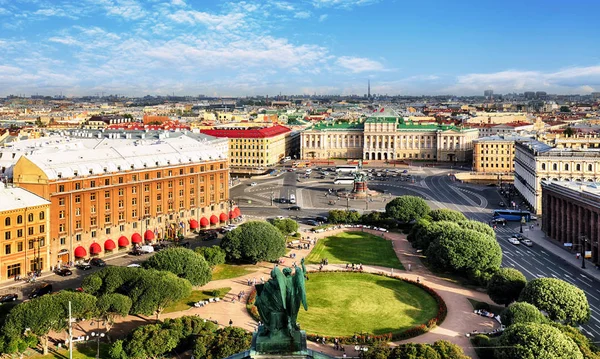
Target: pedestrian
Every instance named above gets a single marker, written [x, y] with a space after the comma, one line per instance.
[230, 322]
[409, 266]
[254, 281]
[418, 280]
[262, 280]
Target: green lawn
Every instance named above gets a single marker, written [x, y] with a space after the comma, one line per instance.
[355, 247]
[226, 271]
[196, 296]
[341, 304]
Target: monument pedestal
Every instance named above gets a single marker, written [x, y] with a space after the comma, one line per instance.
[279, 342]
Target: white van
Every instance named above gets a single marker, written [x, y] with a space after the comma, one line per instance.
[292, 198]
[308, 171]
[146, 249]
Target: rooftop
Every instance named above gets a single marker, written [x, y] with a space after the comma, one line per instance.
[264, 132]
[495, 138]
[15, 198]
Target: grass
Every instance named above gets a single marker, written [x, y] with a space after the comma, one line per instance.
[226, 271]
[341, 304]
[196, 296]
[355, 247]
[80, 351]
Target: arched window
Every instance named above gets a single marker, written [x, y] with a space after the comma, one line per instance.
[566, 166]
[42, 215]
[7, 221]
[578, 167]
[543, 166]
[590, 167]
[19, 219]
[30, 217]
[554, 167]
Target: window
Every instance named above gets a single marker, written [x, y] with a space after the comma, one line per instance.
[121, 203]
[78, 199]
[107, 230]
[7, 235]
[134, 225]
[147, 176]
[106, 194]
[77, 185]
[134, 213]
[19, 233]
[61, 227]
[92, 184]
[146, 188]
[543, 166]
[13, 270]
[134, 190]
[122, 228]
[42, 228]
[107, 181]
[20, 247]
[61, 188]
[158, 197]
[146, 199]
[134, 177]
[133, 201]
[7, 249]
[78, 224]
[30, 231]
[158, 186]
[121, 216]
[590, 167]
[120, 179]
[77, 211]
[121, 191]
[566, 166]
[170, 173]
[63, 241]
[170, 184]
[30, 217]
[93, 196]
[78, 237]
[93, 221]
[554, 167]
[93, 234]
[93, 208]
[181, 182]
[159, 208]
[19, 219]
[107, 218]
[578, 167]
[158, 174]
[7, 221]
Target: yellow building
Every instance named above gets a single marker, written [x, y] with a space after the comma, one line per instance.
[24, 229]
[256, 149]
[495, 154]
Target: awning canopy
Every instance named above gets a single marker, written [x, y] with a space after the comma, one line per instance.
[193, 224]
[95, 248]
[109, 245]
[148, 235]
[80, 252]
[136, 238]
[203, 222]
[223, 217]
[237, 212]
[123, 241]
[214, 219]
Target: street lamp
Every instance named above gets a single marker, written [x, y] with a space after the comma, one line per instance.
[272, 194]
[583, 240]
[522, 222]
[98, 336]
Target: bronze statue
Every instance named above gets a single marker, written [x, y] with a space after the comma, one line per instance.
[278, 301]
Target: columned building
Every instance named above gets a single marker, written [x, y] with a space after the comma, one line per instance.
[382, 138]
[495, 154]
[536, 162]
[571, 214]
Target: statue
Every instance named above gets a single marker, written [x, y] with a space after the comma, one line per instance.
[278, 302]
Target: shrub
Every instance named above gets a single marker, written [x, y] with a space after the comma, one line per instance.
[407, 208]
[183, 262]
[286, 226]
[532, 341]
[253, 242]
[506, 285]
[521, 312]
[213, 255]
[444, 214]
[483, 344]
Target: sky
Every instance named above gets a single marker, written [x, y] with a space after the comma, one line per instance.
[263, 47]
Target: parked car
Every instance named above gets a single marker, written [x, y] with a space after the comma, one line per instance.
[312, 222]
[280, 217]
[295, 208]
[321, 219]
[83, 266]
[146, 249]
[527, 242]
[253, 184]
[7, 298]
[43, 290]
[533, 218]
[64, 272]
[97, 262]
[135, 252]
[513, 240]
[208, 235]
[134, 265]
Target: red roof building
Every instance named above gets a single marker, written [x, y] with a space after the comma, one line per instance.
[264, 132]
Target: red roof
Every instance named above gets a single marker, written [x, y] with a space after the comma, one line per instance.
[248, 133]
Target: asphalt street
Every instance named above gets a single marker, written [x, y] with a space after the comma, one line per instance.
[441, 191]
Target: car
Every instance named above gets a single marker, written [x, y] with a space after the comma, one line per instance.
[501, 204]
[7, 298]
[280, 217]
[146, 249]
[97, 262]
[312, 222]
[533, 218]
[527, 242]
[321, 219]
[134, 265]
[135, 252]
[283, 200]
[513, 240]
[253, 184]
[65, 272]
[518, 236]
[40, 291]
[83, 266]
[294, 208]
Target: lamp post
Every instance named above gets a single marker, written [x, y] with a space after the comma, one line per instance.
[98, 335]
[521, 223]
[272, 194]
[583, 239]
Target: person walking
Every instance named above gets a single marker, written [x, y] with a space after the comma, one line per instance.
[230, 322]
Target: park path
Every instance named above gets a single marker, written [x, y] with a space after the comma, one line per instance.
[460, 318]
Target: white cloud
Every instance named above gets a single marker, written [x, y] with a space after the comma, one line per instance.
[359, 64]
[127, 9]
[214, 22]
[345, 4]
[323, 17]
[178, 3]
[302, 15]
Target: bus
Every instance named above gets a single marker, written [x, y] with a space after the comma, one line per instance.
[344, 180]
[346, 169]
[511, 214]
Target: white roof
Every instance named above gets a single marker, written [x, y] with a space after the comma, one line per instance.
[15, 198]
[116, 155]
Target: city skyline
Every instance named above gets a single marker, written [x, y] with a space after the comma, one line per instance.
[223, 48]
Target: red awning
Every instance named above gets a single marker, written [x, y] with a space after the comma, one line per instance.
[203, 222]
[237, 212]
[80, 252]
[149, 235]
[109, 244]
[193, 224]
[136, 238]
[231, 215]
[95, 248]
[123, 241]
[214, 219]
[223, 217]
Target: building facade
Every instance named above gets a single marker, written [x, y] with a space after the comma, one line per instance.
[571, 214]
[387, 138]
[24, 229]
[536, 162]
[128, 191]
[255, 149]
[495, 154]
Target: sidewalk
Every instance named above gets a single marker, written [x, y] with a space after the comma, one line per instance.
[539, 238]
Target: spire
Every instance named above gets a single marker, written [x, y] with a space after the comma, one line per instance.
[369, 89]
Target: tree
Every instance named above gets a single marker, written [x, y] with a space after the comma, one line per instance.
[286, 226]
[521, 312]
[448, 350]
[151, 341]
[156, 290]
[565, 109]
[214, 255]
[418, 230]
[505, 285]
[110, 306]
[585, 344]
[407, 208]
[338, 216]
[465, 251]
[444, 214]
[253, 242]
[568, 132]
[533, 341]
[561, 300]
[433, 232]
[183, 262]
[378, 351]
[414, 351]
[478, 227]
[228, 341]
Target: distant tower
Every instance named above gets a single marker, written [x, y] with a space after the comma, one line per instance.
[369, 89]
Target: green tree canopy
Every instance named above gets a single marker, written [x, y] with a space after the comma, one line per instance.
[286, 226]
[338, 216]
[478, 227]
[534, 341]
[254, 242]
[521, 312]
[151, 341]
[506, 285]
[110, 306]
[414, 351]
[214, 255]
[561, 300]
[448, 350]
[432, 232]
[228, 341]
[444, 214]
[407, 208]
[183, 262]
[585, 344]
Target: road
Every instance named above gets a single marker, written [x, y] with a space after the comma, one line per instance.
[439, 189]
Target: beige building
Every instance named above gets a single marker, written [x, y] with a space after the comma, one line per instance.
[577, 141]
[495, 154]
[387, 138]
